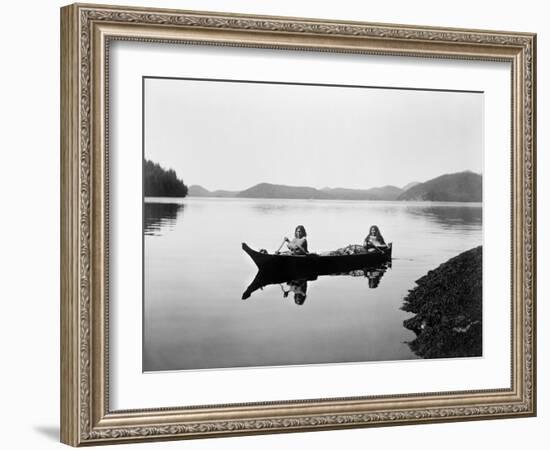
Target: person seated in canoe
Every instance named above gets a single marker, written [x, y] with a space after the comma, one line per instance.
[298, 245]
[374, 242]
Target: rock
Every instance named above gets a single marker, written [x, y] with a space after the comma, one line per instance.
[447, 303]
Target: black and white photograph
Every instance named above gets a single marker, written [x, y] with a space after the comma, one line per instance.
[297, 224]
[282, 219]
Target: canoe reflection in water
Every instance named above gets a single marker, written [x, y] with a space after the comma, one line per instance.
[298, 287]
[294, 277]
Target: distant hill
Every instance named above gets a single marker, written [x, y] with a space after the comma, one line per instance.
[409, 185]
[455, 187]
[198, 191]
[267, 190]
[377, 193]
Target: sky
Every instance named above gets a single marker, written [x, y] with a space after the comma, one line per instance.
[228, 135]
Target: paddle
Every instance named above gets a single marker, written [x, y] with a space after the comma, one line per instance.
[280, 246]
[283, 243]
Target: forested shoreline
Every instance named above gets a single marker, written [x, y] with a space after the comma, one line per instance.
[160, 182]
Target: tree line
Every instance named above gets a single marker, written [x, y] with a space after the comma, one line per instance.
[159, 182]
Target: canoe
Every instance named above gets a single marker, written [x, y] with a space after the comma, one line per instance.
[316, 264]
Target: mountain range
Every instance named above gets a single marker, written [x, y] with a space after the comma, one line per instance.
[456, 187]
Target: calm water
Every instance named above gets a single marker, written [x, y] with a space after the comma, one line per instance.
[195, 273]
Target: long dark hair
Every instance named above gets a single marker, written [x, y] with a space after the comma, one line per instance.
[300, 228]
[376, 233]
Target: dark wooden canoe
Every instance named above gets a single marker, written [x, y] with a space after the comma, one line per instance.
[316, 264]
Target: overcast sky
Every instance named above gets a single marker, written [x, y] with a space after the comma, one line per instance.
[225, 135]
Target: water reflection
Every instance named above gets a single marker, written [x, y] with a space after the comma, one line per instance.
[298, 284]
[158, 217]
[449, 216]
[372, 273]
[298, 288]
[267, 208]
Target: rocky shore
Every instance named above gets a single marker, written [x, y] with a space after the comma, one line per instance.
[447, 303]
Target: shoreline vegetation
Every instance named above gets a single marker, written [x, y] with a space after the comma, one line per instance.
[457, 187]
[447, 303]
[160, 182]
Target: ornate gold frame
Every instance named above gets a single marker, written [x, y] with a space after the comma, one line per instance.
[86, 31]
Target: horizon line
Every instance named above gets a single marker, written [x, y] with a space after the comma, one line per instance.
[331, 187]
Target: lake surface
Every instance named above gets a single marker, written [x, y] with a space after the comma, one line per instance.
[195, 273]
